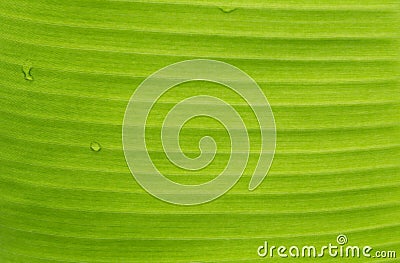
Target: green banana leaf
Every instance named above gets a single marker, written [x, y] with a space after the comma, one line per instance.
[329, 69]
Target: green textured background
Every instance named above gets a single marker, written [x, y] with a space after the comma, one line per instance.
[329, 70]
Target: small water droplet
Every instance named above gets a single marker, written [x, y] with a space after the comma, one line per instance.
[227, 10]
[95, 146]
[26, 69]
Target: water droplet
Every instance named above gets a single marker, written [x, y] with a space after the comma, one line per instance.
[227, 10]
[95, 146]
[26, 69]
